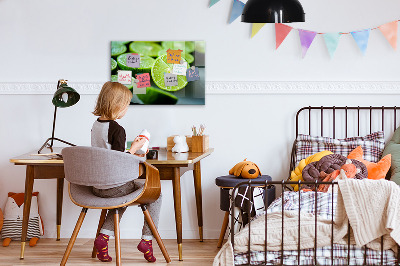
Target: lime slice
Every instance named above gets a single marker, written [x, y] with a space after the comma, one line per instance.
[189, 58]
[145, 48]
[117, 49]
[113, 65]
[200, 47]
[157, 96]
[114, 43]
[114, 78]
[157, 73]
[146, 62]
[186, 47]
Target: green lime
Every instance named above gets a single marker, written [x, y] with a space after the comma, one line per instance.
[146, 62]
[114, 78]
[145, 48]
[186, 47]
[113, 65]
[114, 43]
[189, 58]
[157, 73]
[157, 96]
[200, 47]
[117, 49]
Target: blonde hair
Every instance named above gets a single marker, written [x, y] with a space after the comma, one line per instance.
[112, 99]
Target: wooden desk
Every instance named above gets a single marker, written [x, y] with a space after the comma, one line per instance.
[171, 167]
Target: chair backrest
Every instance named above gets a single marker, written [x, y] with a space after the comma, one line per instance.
[92, 166]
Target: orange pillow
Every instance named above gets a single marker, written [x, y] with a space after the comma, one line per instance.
[375, 170]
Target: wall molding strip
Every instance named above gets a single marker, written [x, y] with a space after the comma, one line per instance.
[231, 87]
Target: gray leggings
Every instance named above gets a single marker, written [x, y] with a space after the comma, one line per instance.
[154, 208]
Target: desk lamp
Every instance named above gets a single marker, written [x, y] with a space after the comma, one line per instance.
[64, 96]
[273, 11]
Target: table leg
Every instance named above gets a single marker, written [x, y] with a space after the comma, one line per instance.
[176, 183]
[199, 204]
[60, 190]
[27, 206]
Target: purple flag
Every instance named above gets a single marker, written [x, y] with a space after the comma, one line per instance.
[306, 39]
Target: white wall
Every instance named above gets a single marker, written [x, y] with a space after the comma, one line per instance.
[47, 40]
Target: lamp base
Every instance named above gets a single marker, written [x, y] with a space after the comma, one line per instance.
[50, 146]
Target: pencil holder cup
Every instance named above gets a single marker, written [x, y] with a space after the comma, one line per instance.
[200, 143]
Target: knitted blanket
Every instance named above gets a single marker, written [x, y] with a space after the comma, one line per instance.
[371, 207]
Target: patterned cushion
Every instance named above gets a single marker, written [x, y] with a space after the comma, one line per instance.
[372, 144]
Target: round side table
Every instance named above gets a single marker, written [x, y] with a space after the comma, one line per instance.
[228, 182]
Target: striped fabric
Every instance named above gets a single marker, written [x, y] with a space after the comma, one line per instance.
[372, 145]
[322, 207]
[13, 228]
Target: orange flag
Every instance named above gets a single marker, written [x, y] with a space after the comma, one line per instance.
[389, 30]
[281, 31]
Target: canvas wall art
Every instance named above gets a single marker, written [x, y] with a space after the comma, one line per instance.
[160, 72]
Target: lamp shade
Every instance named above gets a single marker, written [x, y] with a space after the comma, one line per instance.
[65, 96]
[273, 11]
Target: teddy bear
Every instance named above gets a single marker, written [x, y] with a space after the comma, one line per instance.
[245, 169]
[13, 215]
[180, 144]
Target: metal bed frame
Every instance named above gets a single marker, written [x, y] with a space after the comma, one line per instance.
[283, 184]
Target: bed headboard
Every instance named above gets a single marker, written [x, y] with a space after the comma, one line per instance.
[344, 121]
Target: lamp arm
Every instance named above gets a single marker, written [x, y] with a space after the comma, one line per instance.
[54, 126]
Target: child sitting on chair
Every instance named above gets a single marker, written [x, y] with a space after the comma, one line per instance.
[112, 103]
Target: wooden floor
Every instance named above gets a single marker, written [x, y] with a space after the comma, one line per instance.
[50, 252]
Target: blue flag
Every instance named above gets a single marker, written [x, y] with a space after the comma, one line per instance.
[237, 9]
[213, 2]
[361, 38]
[332, 41]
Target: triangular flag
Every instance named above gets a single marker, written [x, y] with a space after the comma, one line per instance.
[306, 39]
[256, 28]
[237, 9]
[332, 41]
[281, 31]
[361, 37]
[390, 32]
[213, 2]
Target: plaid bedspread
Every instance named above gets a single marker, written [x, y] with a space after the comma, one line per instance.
[307, 202]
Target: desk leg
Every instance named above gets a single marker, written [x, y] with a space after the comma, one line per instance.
[176, 182]
[27, 206]
[199, 204]
[60, 190]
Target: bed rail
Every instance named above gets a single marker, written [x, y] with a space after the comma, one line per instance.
[265, 185]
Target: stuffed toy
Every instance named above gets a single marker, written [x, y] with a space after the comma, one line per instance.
[13, 215]
[296, 174]
[180, 144]
[245, 169]
[375, 170]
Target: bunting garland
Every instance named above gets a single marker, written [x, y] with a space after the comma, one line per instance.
[361, 37]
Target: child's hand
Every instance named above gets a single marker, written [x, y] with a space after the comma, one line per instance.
[143, 155]
[137, 144]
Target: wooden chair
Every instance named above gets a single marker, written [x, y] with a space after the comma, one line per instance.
[85, 167]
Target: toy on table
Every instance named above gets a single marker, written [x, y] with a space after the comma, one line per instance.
[180, 144]
[245, 169]
[13, 215]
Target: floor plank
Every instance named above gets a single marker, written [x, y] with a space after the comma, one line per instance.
[49, 252]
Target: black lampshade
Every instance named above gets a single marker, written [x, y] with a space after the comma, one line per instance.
[273, 11]
[65, 96]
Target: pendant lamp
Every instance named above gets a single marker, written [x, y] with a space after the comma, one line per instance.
[273, 11]
[64, 96]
